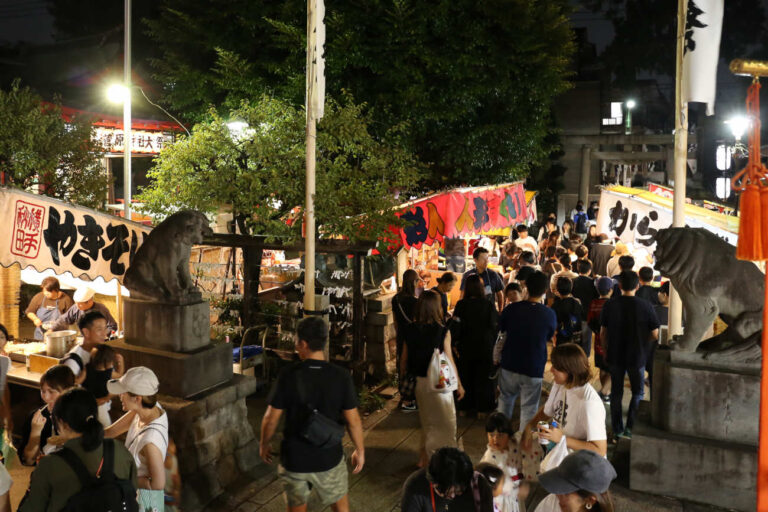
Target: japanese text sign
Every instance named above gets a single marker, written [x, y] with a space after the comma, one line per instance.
[462, 212]
[142, 141]
[46, 233]
[633, 220]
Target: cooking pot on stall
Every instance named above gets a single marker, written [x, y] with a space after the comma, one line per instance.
[58, 343]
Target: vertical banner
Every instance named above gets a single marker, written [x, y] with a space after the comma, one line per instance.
[49, 234]
[701, 51]
[462, 212]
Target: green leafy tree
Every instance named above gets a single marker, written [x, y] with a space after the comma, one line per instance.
[259, 171]
[38, 148]
[473, 80]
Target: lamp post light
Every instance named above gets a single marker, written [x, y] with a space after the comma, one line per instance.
[738, 126]
[628, 127]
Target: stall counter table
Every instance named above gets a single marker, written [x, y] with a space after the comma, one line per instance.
[19, 375]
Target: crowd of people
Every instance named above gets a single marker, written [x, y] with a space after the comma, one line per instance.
[567, 297]
[71, 439]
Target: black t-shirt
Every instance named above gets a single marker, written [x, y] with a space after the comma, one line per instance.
[48, 430]
[329, 389]
[600, 254]
[422, 340]
[648, 293]
[529, 326]
[492, 282]
[629, 322]
[403, 309]
[417, 496]
[584, 290]
[476, 328]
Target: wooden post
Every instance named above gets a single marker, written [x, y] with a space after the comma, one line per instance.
[309, 206]
[251, 276]
[681, 159]
[358, 309]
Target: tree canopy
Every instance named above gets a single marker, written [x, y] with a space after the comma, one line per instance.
[38, 148]
[473, 81]
[258, 171]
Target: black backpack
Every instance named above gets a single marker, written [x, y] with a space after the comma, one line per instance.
[104, 493]
[582, 223]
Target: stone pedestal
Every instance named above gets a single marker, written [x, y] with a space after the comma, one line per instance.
[215, 443]
[182, 374]
[698, 440]
[173, 327]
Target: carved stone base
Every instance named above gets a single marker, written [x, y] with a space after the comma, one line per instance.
[694, 396]
[215, 442]
[174, 327]
[182, 374]
[697, 440]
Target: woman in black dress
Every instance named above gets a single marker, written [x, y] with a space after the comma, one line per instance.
[475, 323]
[403, 310]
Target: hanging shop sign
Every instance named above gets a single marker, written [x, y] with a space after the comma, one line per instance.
[142, 141]
[49, 234]
[462, 212]
[635, 216]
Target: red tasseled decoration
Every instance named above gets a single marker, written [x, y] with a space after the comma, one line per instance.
[750, 246]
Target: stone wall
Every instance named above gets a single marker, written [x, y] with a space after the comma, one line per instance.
[380, 344]
[214, 440]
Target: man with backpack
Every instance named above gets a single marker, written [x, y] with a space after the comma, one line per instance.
[580, 219]
[568, 311]
[317, 398]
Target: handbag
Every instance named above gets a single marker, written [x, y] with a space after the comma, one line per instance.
[318, 429]
[441, 374]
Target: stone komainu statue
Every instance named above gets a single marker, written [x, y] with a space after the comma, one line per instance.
[160, 268]
[710, 280]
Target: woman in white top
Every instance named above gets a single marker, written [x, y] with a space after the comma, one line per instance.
[146, 424]
[573, 403]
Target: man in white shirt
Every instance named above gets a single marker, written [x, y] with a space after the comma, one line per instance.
[526, 242]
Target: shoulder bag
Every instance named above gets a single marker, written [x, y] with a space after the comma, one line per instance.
[318, 429]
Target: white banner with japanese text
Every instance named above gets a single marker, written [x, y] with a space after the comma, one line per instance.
[47, 233]
[636, 221]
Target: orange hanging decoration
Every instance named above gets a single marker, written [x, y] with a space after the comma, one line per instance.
[751, 181]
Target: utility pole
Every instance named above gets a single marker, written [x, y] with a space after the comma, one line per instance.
[127, 112]
[315, 98]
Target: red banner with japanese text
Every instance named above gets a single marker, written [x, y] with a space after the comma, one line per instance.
[462, 212]
[46, 233]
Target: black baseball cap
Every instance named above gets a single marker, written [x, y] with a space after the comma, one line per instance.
[583, 470]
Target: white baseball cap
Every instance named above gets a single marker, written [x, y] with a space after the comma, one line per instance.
[84, 294]
[138, 380]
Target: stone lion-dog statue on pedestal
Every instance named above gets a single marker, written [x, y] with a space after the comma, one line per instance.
[160, 269]
[710, 280]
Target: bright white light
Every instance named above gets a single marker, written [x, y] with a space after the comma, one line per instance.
[738, 126]
[117, 93]
[631, 104]
[616, 111]
[723, 188]
[723, 157]
[239, 129]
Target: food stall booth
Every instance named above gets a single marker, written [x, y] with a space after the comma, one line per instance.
[45, 236]
[444, 228]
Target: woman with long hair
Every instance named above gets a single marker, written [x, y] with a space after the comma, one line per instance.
[475, 321]
[403, 310]
[437, 411]
[53, 482]
[573, 403]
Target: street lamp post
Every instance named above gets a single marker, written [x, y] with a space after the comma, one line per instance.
[127, 113]
[628, 127]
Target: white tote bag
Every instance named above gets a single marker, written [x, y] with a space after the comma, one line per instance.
[551, 461]
[441, 374]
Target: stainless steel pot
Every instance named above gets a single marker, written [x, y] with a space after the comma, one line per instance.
[58, 343]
